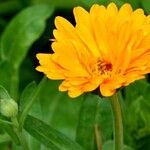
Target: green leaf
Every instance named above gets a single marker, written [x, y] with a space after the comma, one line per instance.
[104, 118]
[27, 95]
[16, 40]
[9, 80]
[49, 136]
[137, 118]
[85, 131]
[31, 98]
[141, 110]
[32, 142]
[35, 111]
[25, 99]
[135, 90]
[56, 104]
[22, 31]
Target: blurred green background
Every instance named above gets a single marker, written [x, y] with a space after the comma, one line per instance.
[25, 29]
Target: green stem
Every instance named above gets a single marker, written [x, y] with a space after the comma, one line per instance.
[118, 126]
[19, 133]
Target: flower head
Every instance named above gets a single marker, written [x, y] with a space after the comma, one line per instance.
[107, 48]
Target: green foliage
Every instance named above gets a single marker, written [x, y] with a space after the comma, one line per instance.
[49, 136]
[62, 112]
[87, 120]
[16, 40]
[27, 95]
[6, 125]
[105, 123]
[138, 108]
[28, 98]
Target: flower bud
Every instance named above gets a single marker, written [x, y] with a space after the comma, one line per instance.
[8, 107]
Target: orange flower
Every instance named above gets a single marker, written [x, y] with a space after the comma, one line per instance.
[107, 48]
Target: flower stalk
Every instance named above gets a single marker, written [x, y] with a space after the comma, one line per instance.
[118, 125]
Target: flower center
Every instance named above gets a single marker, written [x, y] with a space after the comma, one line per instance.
[102, 67]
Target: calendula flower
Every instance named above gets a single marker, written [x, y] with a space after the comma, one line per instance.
[107, 48]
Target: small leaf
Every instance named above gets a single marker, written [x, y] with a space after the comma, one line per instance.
[27, 95]
[49, 136]
[85, 132]
[31, 99]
